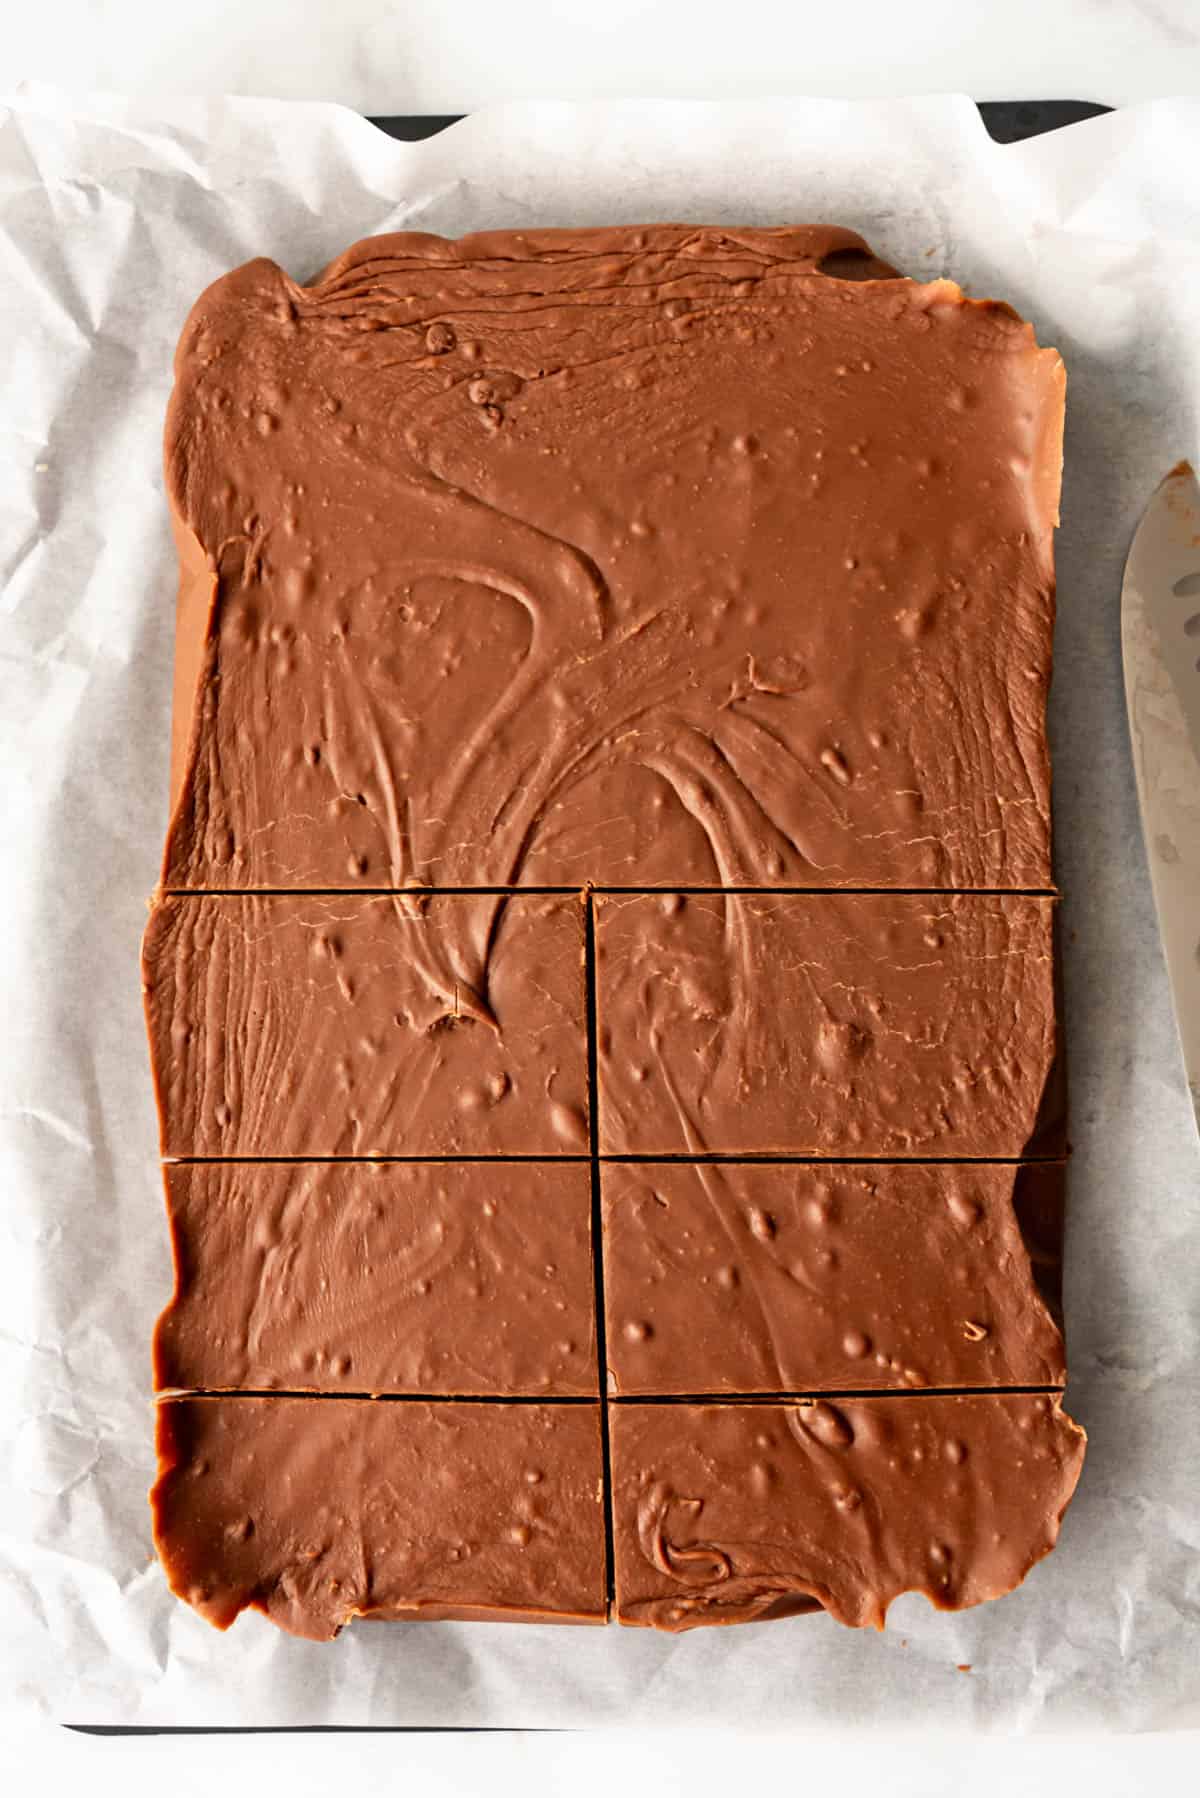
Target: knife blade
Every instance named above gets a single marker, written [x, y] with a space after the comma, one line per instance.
[1160, 640]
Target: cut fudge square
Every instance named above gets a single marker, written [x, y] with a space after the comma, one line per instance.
[408, 1277]
[319, 1510]
[726, 1277]
[845, 1025]
[292, 1025]
[639, 556]
[731, 1513]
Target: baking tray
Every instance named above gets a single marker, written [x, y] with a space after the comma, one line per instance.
[1007, 122]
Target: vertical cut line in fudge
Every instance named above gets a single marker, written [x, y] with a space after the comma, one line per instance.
[589, 952]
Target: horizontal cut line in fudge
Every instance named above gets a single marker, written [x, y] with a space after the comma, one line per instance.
[813, 1395]
[773, 1158]
[767, 1159]
[433, 892]
[809, 1396]
[376, 1160]
[168, 1394]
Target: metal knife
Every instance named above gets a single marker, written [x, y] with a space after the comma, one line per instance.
[1160, 639]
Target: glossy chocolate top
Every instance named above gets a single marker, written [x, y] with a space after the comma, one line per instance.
[832, 1024]
[661, 556]
[292, 1025]
[317, 1511]
[463, 1278]
[731, 1513]
[678, 561]
[726, 1277]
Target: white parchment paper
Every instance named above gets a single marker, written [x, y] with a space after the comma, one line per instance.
[113, 216]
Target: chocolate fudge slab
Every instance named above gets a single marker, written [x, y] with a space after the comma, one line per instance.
[660, 555]
[393, 1277]
[317, 1511]
[673, 560]
[413, 1025]
[732, 1513]
[852, 1025]
[720, 1277]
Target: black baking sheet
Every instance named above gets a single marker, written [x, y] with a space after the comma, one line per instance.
[1008, 121]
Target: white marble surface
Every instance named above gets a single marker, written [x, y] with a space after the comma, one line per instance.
[456, 55]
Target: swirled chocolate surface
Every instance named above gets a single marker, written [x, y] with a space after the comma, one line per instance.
[731, 1513]
[636, 557]
[317, 1511]
[731, 1277]
[603, 960]
[380, 1277]
[847, 1024]
[292, 1025]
